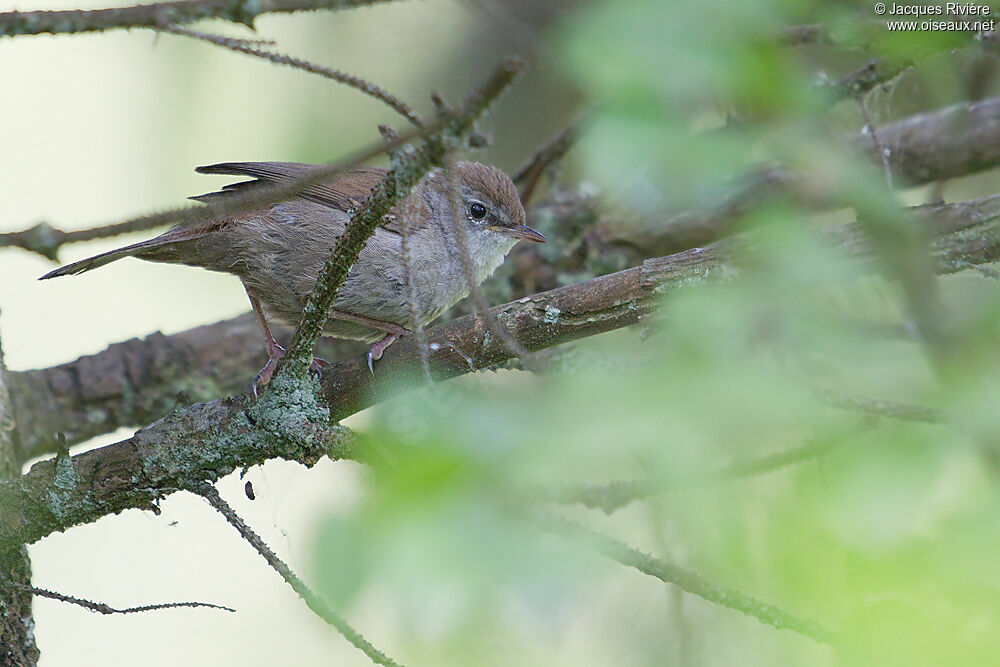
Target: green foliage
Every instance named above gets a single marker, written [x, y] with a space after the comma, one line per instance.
[884, 534]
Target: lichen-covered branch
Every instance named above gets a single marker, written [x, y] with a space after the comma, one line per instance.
[534, 322]
[209, 440]
[17, 625]
[181, 451]
[137, 381]
[159, 14]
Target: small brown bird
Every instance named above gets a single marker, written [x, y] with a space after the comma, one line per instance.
[278, 251]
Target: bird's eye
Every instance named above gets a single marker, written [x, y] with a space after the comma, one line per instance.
[477, 211]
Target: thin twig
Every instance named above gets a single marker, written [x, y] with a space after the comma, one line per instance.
[615, 495]
[876, 407]
[241, 46]
[46, 240]
[157, 14]
[690, 582]
[883, 151]
[412, 303]
[102, 608]
[315, 603]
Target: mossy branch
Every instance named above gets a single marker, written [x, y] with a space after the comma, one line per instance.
[135, 382]
[17, 639]
[209, 440]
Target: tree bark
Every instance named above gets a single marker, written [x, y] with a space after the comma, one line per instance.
[17, 625]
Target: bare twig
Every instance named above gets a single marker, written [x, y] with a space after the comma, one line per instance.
[158, 14]
[241, 46]
[46, 240]
[883, 150]
[615, 495]
[873, 73]
[690, 582]
[876, 407]
[102, 608]
[314, 602]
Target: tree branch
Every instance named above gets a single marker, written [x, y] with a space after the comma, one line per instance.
[17, 637]
[181, 451]
[951, 142]
[159, 14]
[207, 441]
[134, 382]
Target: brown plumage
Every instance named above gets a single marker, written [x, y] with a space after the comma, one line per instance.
[278, 251]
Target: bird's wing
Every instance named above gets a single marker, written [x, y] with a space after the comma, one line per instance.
[341, 191]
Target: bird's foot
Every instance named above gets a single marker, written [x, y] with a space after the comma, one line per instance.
[275, 353]
[393, 332]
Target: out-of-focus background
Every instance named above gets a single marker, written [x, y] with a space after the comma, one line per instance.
[889, 538]
[105, 126]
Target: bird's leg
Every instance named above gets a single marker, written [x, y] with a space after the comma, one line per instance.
[274, 351]
[391, 329]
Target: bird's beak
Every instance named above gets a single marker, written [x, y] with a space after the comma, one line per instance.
[525, 233]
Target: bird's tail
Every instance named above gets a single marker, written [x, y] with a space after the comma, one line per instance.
[107, 257]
